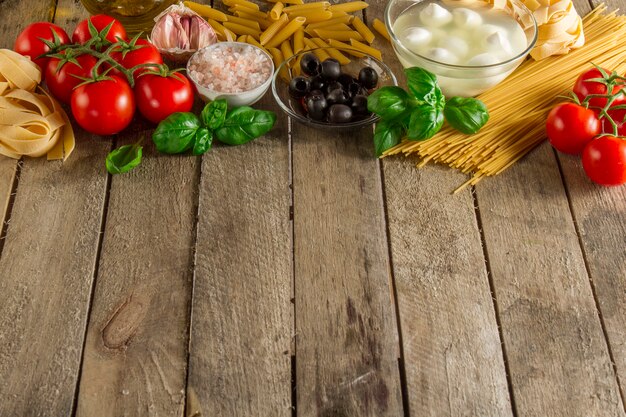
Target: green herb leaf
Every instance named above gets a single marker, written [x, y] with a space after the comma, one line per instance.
[243, 124]
[388, 102]
[203, 142]
[425, 121]
[423, 85]
[124, 158]
[214, 114]
[466, 114]
[176, 134]
[387, 135]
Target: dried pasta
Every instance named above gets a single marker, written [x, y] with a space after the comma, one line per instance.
[324, 5]
[298, 40]
[276, 11]
[313, 16]
[379, 27]
[253, 24]
[286, 32]
[242, 3]
[349, 7]
[241, 29]
[206, 11]
[339, 35]
[505, 139]
[334, 53]
[273, 29]
[365, 32]
[366, 48]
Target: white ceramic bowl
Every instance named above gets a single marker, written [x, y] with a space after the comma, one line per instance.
[244, 98]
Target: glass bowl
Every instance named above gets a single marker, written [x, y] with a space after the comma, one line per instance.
[461, 80]
[292, 106]
[243, 98]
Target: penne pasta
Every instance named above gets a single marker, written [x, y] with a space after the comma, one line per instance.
[278, 58]
[286, 32]
[264, 23]
[345, 47]
[241, 29]
[242, 38]
[245, 22]
[298, 40]
[276, 11]
[206, 11]
[219, 29]
[273, 29]
[252, 41]
[339, 14]
[340, 35]
[349, 7]
[379, 27]
[286, 1]
[244, 3]
[365, 32]
[313, 16]
[336, 26]
[241, 9]
[346, 18]
[285, 48]
[307, 6]
[321, 54]
[334, 53]
[367, 49]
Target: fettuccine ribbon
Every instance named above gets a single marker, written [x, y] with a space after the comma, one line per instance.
[560, 27]
[32, 123]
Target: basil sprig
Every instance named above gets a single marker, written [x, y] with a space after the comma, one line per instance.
[181, 132]
[419, 113]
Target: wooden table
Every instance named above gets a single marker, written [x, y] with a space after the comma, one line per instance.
[300, 276]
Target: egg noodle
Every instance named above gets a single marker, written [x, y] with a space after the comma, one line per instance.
[518, 106]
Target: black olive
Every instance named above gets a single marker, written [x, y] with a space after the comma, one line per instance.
[299, 86]
[316, 105]
[337, 96]
[334, 85]
[317, 83]
[355, 89]
[359, 105]
[346, 80]
[310, 64]
[339, 113]
[331, 69]
[368, 77]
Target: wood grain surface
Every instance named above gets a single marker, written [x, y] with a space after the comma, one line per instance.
[557, 353]
[242, 317]
[47, 266]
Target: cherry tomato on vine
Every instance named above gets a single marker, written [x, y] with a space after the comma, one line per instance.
[104, 107]
[159, 96]
[583, 88]
[100, 21]
[570, 127]
[28, 42]
[144, 53]
[62, 81]
[604, 160]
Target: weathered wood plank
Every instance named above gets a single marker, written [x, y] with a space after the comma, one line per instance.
[557, 353]
[47, 266]
[451, 347]
[346, 334]
[242, 321]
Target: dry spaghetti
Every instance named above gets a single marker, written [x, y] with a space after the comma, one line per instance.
[519, 105]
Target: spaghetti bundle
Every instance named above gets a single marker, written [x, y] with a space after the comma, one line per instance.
[519, 105]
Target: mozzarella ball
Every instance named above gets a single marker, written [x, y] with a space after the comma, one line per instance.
[482, 59]
[417, 39]
[466, 18]
[434, 15]
[442, 55]
[498, 43]
[454, 44]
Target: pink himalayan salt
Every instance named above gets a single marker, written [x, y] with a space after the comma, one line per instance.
[228, 68]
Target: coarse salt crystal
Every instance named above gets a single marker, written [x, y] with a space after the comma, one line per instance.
[230, 69]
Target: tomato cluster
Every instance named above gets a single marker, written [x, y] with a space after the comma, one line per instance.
[594, 125]
[103, 75]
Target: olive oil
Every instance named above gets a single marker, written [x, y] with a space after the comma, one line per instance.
[135, 15]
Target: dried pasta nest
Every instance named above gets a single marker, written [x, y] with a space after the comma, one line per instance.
[179, 32]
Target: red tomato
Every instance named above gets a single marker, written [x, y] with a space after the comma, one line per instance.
[570, 127]
[104, 107]
[618, 118]
[29, 44]
[159, 96]
[604, 160]
[61, 82]
[146, 53]
[100, 21]
[583, 88]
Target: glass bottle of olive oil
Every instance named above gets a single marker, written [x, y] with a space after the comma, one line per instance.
[135, 15]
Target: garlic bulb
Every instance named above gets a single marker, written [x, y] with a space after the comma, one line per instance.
[179, 32]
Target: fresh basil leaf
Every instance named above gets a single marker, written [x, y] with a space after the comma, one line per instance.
[388, 102]
[176, 133]
[425, 121]
[203, 142]
[468, 115]
[423, 85]
[243, 124]
[214, 114]
[387, 135]
[124, 158]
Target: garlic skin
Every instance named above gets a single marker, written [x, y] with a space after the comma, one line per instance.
[179, 32]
